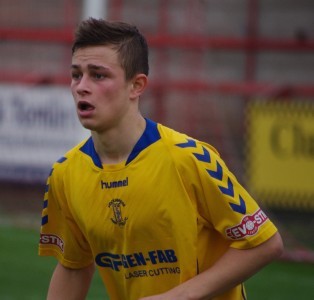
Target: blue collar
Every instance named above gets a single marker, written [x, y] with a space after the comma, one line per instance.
[149, 136]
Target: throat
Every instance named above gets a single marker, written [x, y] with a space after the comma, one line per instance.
[116, 145]
[121, 161]
[113, 153]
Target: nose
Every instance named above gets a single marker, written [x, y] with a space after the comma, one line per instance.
[82, 86]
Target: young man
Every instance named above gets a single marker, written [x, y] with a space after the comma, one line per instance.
[157, 212]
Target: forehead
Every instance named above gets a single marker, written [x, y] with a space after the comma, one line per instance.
[104, 55]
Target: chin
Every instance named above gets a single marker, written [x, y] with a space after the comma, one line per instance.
[88, 125]
[92, 127]
[96, 126]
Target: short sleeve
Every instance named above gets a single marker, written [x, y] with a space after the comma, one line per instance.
[59, 235]
[222, 201]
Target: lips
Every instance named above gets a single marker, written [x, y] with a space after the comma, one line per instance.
[85, 106]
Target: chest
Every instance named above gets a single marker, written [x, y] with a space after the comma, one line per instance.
[142, 205]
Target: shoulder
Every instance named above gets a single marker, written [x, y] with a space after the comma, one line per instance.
[68, 159]
[186, 149]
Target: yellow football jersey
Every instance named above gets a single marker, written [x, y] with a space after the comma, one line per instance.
[150, 223]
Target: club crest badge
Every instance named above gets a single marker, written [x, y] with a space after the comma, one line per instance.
[116, 205]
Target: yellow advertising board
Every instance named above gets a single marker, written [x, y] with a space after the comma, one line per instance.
[280, 169]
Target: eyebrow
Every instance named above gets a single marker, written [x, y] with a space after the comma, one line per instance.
[90, 67]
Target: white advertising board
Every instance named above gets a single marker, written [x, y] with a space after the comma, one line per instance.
[37, 126]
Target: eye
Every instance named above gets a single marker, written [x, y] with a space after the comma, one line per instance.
[98, 76]
[76, 75]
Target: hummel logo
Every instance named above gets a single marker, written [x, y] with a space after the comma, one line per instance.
[114, 184]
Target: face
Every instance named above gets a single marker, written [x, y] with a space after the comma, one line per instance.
[99, 88]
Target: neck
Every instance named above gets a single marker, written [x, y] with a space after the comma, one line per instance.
[115, 145]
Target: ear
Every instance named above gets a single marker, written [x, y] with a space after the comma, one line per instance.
[138, 85]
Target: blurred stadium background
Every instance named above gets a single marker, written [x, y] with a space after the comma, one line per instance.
[236, 74]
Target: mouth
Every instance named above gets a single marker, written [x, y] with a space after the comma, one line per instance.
[85, 106]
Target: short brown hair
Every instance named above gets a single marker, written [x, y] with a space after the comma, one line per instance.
[130, 44]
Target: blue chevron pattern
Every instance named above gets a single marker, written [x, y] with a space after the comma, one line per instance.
[205, 157]
[227, 190]
[62, 159]
[45, 203]
[216, 174]
[44, 220]
[189, 143]
[240, 208]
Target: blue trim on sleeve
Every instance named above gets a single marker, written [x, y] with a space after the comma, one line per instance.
[45, 203]
[44, 220]
[61, 160]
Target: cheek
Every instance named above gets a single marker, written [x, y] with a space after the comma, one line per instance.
[73, 89]
[111, 92]
[75, 99]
